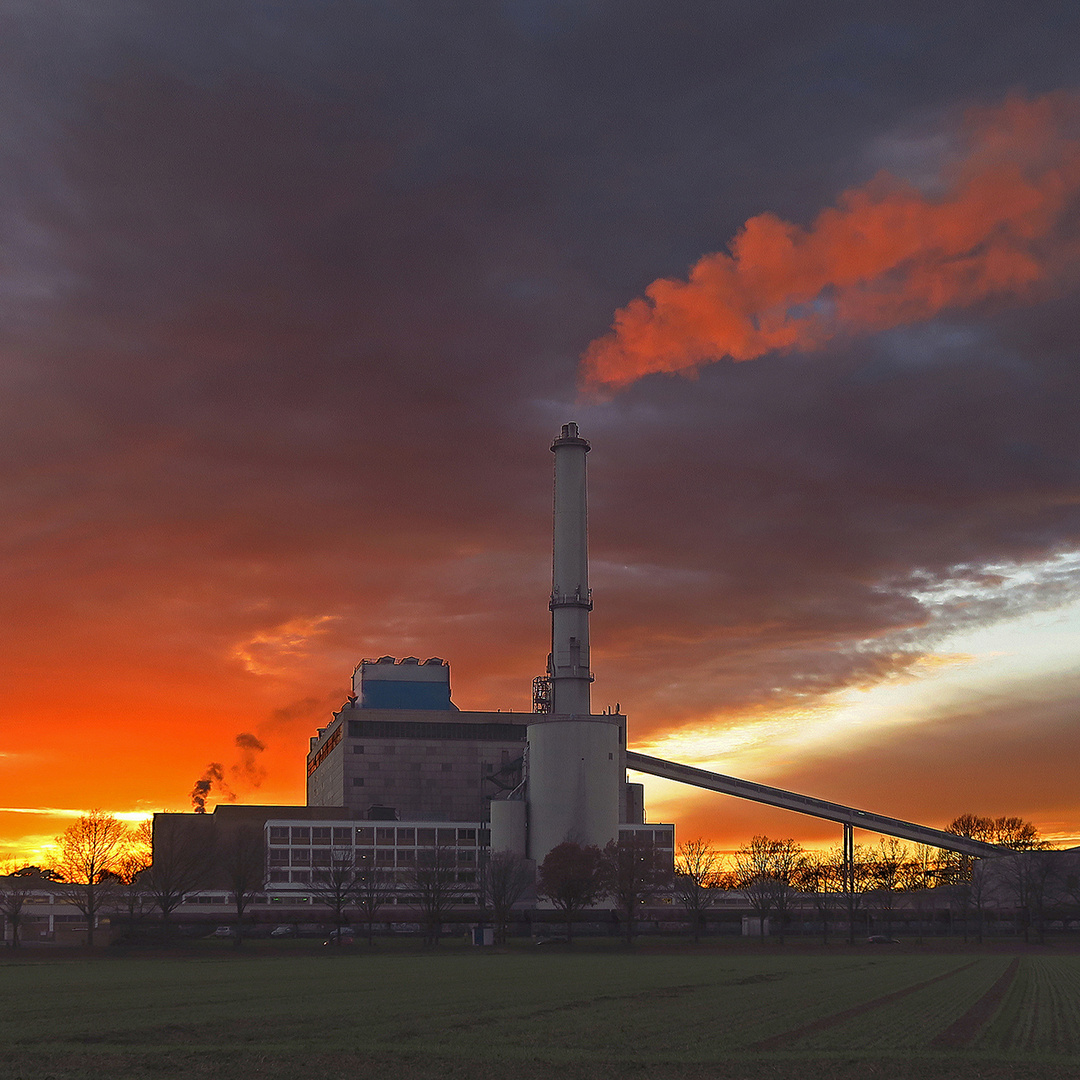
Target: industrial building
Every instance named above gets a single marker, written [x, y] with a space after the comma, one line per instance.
[401, 750]
[401, 755]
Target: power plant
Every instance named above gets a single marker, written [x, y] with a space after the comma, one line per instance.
[400, 770]
[400, 750]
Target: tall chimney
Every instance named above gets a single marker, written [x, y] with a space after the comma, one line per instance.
[575, 768]
[571, 600]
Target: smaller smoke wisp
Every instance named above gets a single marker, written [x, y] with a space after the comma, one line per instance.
[249, 771]
[210, 784]
[990, 223]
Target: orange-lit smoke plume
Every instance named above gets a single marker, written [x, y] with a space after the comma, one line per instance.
[888, 254]
[248, 771]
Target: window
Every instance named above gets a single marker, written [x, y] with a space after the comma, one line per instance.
[365, 835]
[301, 877]
[386, 729]
[466, 835]
[425, 836]
[342, 836]
[320, 836]
[406, 856]
[300, 836]
[406, 836]
[384, 836]
[279, 857]
[301, 856]
[384, 856]
[447, 836]
[279, 834]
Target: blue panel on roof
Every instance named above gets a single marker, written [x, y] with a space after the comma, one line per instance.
[395, 694]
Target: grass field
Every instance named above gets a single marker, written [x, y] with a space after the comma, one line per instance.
[590, 1012]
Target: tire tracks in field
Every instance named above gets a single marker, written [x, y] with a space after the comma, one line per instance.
[774, 1042]
[961, 1033]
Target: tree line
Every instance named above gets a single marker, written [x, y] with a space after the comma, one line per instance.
[774, 875]
[101, 865]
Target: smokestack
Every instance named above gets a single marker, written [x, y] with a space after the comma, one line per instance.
[574, 758]
[571, 600]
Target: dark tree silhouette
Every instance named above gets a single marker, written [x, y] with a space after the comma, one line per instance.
[766, 872]
[183, 859]
[436, 887]
[823, 881]
[86, 862]
[570, 878]
[374, 886]
[507, 877]
[697, 880]
[633, 872]
[132, 899]
[242, 864]
[17, 885]
[333, 884]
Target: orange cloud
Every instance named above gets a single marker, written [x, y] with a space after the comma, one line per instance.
[888, 254]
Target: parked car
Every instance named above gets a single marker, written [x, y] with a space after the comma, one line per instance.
[225, 931]
[284, 930]
[343, 935]
[882, 939]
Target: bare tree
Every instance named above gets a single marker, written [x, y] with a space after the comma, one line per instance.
[242, 863]
[136, 854]
[862, 881]
[507, 877]
[333, 883]
[86, 860]
[885, 865]
[1028, 877]
[633, 872]
[17, 885]
[822, 880]
[697, 873]
[569, 877]
[767, 872]
[436, 887]
[183, 860]
[924, 876]
[374, 886]
[968, 887]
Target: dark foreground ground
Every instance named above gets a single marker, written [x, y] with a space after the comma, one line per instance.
[1000, 1011]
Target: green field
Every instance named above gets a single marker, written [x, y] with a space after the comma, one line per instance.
[590, 1012]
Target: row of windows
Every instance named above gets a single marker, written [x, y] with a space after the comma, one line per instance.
[362, 856]
[389, 782]
[368, 835]
[303, 877]
[390, 729]
[414, 766]
[663, 838]
[325, 749]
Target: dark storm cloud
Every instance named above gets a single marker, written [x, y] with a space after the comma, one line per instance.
[293, 301]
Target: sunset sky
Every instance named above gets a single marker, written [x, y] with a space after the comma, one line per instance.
[294, 297]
